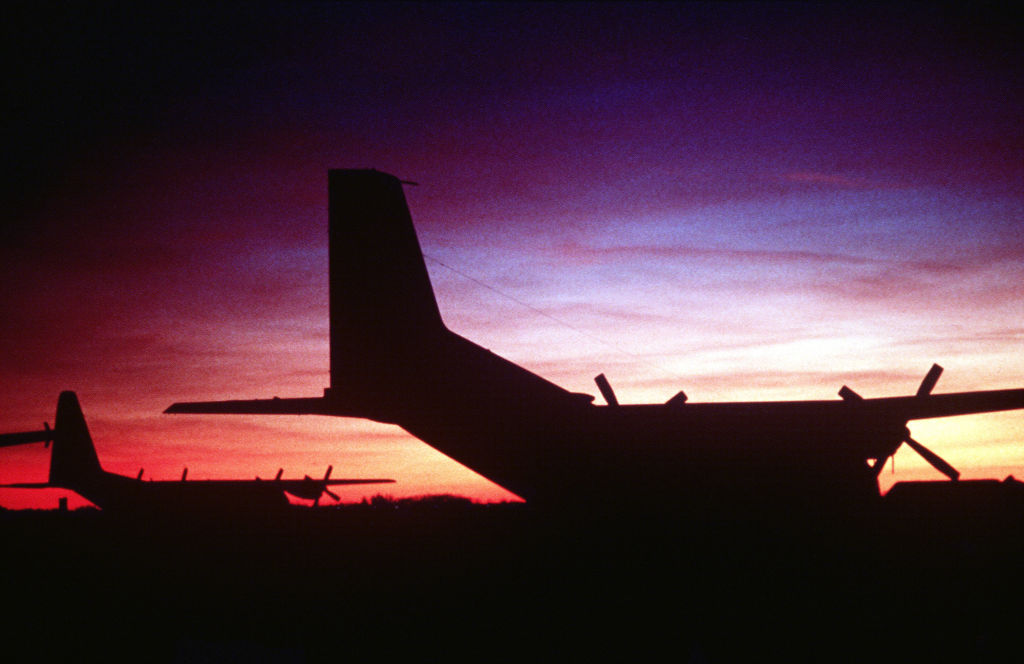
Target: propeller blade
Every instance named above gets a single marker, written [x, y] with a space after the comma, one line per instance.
[606, 390]
[849, 395]
[280, 471]
[937, 462]
[332, 494]
[327, 475]
[929, 381]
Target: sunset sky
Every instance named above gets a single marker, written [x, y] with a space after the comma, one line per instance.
[744, 202]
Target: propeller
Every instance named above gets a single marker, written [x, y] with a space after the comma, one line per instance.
[324, 489]
[925, 389]
[937, 462]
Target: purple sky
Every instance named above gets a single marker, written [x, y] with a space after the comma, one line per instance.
[741, 201]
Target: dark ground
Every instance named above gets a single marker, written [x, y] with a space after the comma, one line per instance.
[917, 580]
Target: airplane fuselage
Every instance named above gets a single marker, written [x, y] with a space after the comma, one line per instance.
[121, 494]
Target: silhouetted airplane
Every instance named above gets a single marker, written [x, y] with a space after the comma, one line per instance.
[75, 466]
[393, 360]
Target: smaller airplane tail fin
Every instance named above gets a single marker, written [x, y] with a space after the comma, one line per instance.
[73, 458]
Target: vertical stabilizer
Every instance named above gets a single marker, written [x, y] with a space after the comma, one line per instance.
[381, 301]
[73, 458]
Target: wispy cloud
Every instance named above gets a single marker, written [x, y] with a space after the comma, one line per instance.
[830, 179]
[979, 257]
[581, 253]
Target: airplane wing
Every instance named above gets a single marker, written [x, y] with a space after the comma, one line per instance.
[293, 486]
[945, 405]
[330, 482]
[284, 485]
[881, 409]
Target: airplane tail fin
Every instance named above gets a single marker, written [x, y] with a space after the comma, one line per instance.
[393, 359]
[382, 305]
[73, 458]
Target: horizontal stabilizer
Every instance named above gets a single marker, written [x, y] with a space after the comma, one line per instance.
[307, 406]
[44, 436]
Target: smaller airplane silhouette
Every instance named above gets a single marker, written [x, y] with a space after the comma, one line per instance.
[74, 465]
